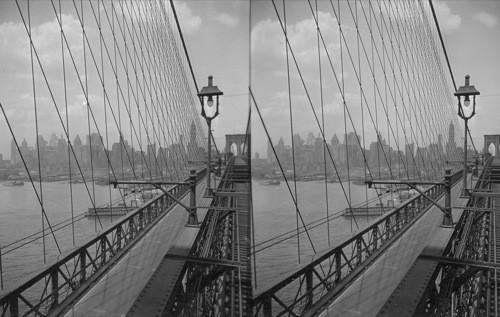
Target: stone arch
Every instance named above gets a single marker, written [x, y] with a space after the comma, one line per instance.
[233, 148]
[239, 140]
[492, 149]
[244, 148]
[492, 140]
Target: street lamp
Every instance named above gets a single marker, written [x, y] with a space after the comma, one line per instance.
[209, 112]
[465, 112]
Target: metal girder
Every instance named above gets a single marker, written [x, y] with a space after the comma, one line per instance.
[216, 276]
[206, 261]
[464, 283]
[157, 185]
[105, 249]
[483, 193]
[486, 265]
[366, 245]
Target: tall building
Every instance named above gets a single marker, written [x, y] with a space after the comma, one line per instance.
[78, 149]
[152, 152]
[53, 140]
[270, 154]
[310, 139]
[193, 149]
[14, 154]
[451, 146]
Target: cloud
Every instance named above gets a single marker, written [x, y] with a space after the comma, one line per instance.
[190, 23]
[448, 21]
[267, 39]
[227, 20]
[15, 47]
[486, 19]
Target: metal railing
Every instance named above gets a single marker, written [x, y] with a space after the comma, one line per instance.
[465, 281]
[57, 284]
[312, 286]
[217, 289]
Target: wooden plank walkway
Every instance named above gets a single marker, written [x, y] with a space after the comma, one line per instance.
[370, 292]
[116, 292]
[243, 219]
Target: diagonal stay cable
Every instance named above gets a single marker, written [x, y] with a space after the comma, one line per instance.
[29, 175]
[312, 108]
[291, 131]
[281, 167]
[37, 132]
[51, 92]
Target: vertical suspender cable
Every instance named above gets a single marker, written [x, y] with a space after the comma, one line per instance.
[291, 132]
[36, 128]
[323, 125]
[67, 129]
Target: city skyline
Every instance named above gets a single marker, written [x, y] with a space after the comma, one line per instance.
[353, 139]
[55, 154]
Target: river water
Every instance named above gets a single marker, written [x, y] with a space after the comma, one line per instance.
[274, 214]
[21, 217]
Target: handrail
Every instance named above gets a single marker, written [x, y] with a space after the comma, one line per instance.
[468, 243]
[215, 241]
[82, 265]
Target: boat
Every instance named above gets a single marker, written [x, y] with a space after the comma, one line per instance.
[359, 181]
[274, 182]
[102, 182]
[364, 211]
[14, 183]
[371, 211]
[119, 210]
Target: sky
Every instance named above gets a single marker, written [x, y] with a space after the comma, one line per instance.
[470, 30]
[216, 35]
[221, 39]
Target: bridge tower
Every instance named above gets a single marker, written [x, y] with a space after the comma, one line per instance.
[489, 140]
[239, 140]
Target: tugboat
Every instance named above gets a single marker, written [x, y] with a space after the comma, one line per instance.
[102, 182]
[14, 183]
[274, 182]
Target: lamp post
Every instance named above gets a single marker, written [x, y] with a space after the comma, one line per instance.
[465, 112]
[209, 112]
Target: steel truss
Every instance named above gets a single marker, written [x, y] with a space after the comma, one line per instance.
[217, 289]
[465, 281]
[56, 285]
[312, 286]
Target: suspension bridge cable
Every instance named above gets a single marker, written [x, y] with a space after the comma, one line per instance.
[281, 168]
[309, 100]
[291, 132]
[30, 178]
[133, 24]
[67, 125]
[322, 220]
[322, 122]
[36, 132]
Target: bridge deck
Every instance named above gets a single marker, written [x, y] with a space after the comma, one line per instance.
[243, 203]
[117, 291]
[495, 252]
[367, 295]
